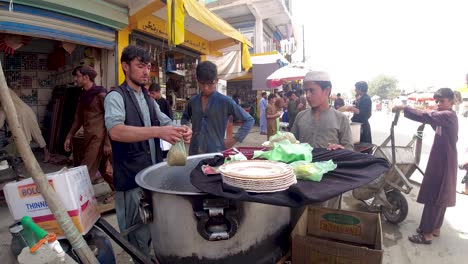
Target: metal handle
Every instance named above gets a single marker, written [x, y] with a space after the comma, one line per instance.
[216, 222]
[397, 116]
[145, 208]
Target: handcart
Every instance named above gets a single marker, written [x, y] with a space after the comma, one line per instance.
[385, 193]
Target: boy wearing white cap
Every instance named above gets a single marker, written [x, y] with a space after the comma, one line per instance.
[321, 126]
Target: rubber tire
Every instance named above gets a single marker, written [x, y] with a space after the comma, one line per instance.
[398, 200]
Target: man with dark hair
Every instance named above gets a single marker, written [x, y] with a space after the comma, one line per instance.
[209, 112]
[135, 124]
[362, 111]
[293, 103]
[90, 115]
[272, 115]
[438, 188]
[263, 120]
[155, 93]
[339, 102]
[321, 126]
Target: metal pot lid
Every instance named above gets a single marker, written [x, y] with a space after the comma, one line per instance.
[163, 178]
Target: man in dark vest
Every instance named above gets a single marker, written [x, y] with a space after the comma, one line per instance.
[135, 124]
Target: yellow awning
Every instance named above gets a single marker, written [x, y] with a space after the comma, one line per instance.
[176, 27]
[205, 16]
[190, 24]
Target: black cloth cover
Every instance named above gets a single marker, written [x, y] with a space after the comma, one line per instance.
[353, 170]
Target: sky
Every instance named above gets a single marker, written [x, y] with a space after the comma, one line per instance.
[421, 43]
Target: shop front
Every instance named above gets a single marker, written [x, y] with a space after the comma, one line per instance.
[38, 50]
[198, 33]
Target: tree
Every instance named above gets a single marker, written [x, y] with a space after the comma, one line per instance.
[384, 86]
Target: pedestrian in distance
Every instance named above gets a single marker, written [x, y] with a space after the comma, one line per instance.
[272, 115]
[263, 120]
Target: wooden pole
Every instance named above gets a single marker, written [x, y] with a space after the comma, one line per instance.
[53, 201]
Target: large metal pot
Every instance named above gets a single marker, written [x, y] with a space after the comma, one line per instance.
[190, 226]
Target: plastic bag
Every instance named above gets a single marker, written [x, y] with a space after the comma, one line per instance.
[286, 152]
[312, 171]
[281, 137]
[236, 157]
[177, 156]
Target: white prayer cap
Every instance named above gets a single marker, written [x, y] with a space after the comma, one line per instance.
[317, 76]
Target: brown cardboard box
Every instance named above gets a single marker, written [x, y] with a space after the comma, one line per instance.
[337, 237]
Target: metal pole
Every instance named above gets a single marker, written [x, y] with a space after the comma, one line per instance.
[303, 44]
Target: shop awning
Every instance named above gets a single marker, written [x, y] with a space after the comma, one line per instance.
[189, 24]
[265, 64]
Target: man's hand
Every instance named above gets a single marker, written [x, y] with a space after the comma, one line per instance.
[107, 150]
[463, 166]
[66, 145]
[334, 146]
[398, 108]
[171, 134]
[187, 135]
[343, 108]
[229, 142]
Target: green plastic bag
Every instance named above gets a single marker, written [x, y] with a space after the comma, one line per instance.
[312, 171]
[286, 152]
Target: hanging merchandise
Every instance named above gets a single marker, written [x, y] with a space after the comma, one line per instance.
[170, 63]
[89, 57]
[9, 43]
[56, 60]
[68, 47]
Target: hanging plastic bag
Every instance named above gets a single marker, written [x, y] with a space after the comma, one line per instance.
[286, 152]
[177, 156]
[312, 171]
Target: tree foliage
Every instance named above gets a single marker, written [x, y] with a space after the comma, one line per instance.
[384, 86]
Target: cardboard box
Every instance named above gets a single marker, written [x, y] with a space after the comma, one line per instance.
[75, 190]
[333, 236]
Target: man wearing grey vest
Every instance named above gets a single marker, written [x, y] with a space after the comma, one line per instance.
[135, 124]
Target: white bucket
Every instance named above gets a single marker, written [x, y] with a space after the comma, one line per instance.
[355, 132]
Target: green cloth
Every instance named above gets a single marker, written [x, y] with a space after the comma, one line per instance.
[286, 152]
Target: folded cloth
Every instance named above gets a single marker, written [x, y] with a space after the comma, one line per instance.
[208, 170]
[353, 170]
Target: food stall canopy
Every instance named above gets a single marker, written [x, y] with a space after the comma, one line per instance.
[285, 74]
[421, 97]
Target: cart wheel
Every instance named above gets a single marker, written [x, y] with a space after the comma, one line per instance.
[399, 212]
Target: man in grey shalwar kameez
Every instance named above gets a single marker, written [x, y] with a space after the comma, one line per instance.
[322, 126]
[438, 188]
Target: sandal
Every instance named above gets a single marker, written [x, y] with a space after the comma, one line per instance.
[462, 192]
[419, 231]
[419, 239]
